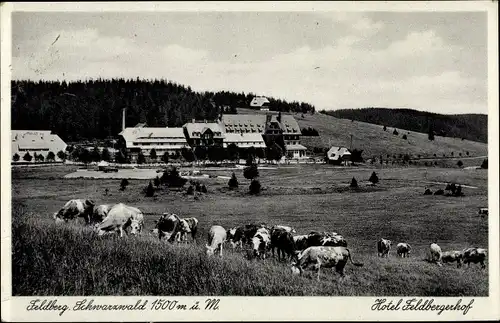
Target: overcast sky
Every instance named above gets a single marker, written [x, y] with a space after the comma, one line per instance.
[433, 61]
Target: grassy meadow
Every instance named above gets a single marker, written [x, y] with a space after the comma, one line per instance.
[68, 259]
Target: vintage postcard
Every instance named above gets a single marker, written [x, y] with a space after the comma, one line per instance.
[282, 161]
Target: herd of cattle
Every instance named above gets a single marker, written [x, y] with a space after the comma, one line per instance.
[320, 249]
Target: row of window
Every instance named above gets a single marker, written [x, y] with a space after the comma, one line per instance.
[159, 144]
[33, 149]
[196, 133]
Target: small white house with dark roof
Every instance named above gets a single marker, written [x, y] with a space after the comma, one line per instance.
[338, 155]
[40, 142]
[260, 102]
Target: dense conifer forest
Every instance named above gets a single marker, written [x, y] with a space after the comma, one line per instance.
[86, 110]
[469, 126]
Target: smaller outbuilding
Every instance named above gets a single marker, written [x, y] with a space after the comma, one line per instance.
[338, 155]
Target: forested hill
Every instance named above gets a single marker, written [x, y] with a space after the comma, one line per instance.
[93, 109]
[469, 126]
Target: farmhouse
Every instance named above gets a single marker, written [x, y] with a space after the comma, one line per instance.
[260, 102]
[40, 142]
[143, 139]
[338, 155]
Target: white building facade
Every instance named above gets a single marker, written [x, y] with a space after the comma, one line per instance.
[39, 142]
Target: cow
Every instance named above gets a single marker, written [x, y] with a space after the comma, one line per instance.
[383, 247]
[435, 253]
[75, 208]
[300, 241]
[439, 192]
[169, 225]
[474, 255]
[100, 212]
[188, 225]
[427, 191]
[403, 249]
[216, 238]
[284, 227]
[332, 239]
[452, 256]
[235, 237]
[121, 217]
[283, 241]
[327, 257]
[483, 211]
[261, 242]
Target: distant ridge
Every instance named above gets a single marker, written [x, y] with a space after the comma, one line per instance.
[469, 126]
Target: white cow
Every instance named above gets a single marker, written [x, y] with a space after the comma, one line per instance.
[326, 257]
[216, 238]
[435, 253]
[121, 217]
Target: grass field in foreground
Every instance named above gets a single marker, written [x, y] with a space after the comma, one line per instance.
[308, 197]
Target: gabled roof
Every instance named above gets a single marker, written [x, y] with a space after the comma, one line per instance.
[36, 140]
[147, 134]
[242, 122]
[259, 101]
[335, 153]
[195, 129]
[243, 137]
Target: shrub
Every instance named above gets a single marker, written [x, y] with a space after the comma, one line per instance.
[484, 165]
[51, 156]
[385, 128]
[460, 163]
[105, 154]
[255, 187]
[164, 158]
[123, 184]
[354, 183]
[190, 190]
[157, 181]
[150, 191]
[251, 172]
[435, 163]
[152, 154]
[203, 188]
[140, 158]
[356, 156]
[61, 155]
[187, 154]
[15, 157]
[232, 152]
[467, 153]
[373, 178]
[233, 182]
[405, 137]
[395, 132]
[27, 157]
[172, 178]
[406, 158]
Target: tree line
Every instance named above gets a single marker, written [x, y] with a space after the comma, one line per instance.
[87, 110]
[465, 126]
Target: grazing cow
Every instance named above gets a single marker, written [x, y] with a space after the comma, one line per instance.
[301, 241]
[333, 239]
[261, 242]
[121, 217]
[74, 209]
[283, 241]
[327, 257]
[249, 231]
[188, 225]
[474, 255]
[284, 227]
[439, 192]
[383, 247]
[483, 211]
[235, 236]
[216, 237]
[403, 249]
[436, 253]
[427, 192]
[452, 256]
[100, 213]
[169, 225]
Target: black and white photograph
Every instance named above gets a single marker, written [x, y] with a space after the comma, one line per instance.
[170, 153]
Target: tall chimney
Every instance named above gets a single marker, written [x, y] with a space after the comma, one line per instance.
[123, 118]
